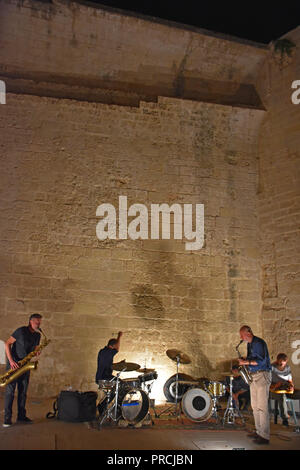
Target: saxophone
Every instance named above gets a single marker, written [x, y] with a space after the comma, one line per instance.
[24, 364]
[243, 370]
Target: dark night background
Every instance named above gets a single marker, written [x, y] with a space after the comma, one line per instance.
[262, 21]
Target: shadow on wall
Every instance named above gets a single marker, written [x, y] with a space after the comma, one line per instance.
[146, 302]
[149, 306]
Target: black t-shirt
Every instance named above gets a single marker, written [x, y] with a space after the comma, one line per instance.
[105, 360]
[25, 342]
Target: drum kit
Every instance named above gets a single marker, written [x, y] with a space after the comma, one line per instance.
[128, 399]
[199, 397]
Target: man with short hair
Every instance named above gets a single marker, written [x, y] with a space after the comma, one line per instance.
[23, 341]
[259, 366]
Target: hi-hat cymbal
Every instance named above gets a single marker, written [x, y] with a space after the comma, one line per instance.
[145, 371]
[175, 355]
[129, 366]
[187, 382]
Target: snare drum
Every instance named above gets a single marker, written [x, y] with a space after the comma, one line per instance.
[131, 382]
[106, 385]
[216, 389]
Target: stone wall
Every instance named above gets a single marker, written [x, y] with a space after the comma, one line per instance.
[60, 159]
[279, 204]
[160, 114]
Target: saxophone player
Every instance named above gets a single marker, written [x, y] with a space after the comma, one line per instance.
[259, 366]
[23, 341]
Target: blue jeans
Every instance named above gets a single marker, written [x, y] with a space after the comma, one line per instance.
[22, 383]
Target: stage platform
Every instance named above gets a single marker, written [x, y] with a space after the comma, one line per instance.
[167, 433]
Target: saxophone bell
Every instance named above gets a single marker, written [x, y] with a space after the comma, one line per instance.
[243, 370]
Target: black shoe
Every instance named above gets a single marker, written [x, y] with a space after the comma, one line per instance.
[7, 423]
[261, 441]
[24, 420]
[285, 422]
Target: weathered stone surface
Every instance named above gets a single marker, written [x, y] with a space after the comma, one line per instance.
[60, 158]
[88, 290]
[121, 58]
[278, 204]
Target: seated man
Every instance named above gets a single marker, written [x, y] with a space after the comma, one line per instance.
[281, 380]
[240, 390]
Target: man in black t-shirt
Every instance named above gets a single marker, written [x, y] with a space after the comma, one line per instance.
[105, 359]
[104, 367]
[23, 341]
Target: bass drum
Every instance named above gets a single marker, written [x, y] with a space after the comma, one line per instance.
[134, 405]
[170, 387]
[197, 405]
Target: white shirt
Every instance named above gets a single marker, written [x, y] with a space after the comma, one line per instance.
[284, 375]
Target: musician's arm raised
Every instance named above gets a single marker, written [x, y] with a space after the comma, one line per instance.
[117, 346]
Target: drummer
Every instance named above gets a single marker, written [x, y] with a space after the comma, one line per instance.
[105, 358]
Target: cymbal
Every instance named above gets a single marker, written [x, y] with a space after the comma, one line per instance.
[145, 371]
[202, 379]
[186, 382]
[227, 374]
[129, 366]
[175, 353]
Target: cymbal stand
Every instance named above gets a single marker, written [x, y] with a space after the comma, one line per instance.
[215, 413]
[176, 411]
[214, 398]
[230, 413]
[111, 412]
